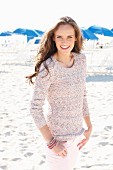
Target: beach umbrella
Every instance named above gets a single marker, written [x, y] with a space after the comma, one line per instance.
[28, 32]
[39, 32]
[7, 33]
[87, 34]
[37, 40]
[101, 30]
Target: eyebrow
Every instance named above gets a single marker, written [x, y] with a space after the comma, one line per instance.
[67, 35]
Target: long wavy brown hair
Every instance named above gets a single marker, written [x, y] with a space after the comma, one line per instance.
[47, 46]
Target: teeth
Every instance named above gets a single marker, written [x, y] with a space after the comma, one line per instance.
[64, 46]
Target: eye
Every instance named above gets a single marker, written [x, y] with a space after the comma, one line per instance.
[69, 37]
[58, 37]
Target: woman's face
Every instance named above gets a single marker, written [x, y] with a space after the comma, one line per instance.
[64, 38]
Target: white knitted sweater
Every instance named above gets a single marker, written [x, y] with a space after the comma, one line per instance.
[65, 91]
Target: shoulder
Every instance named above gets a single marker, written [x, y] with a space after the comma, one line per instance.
[80, 56]
[47, 64]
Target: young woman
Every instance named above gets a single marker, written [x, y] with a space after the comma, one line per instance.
[60, 73]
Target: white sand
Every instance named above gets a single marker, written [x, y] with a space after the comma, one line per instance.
[21, 145]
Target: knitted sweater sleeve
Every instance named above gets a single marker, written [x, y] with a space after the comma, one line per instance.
[85, 103]
[42, 84]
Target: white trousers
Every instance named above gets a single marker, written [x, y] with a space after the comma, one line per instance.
[55, 162]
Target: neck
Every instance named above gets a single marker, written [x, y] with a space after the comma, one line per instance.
[66, 60]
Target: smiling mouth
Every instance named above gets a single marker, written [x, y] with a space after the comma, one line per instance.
[64, 47]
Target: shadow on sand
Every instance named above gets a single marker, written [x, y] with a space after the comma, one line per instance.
[99, 78]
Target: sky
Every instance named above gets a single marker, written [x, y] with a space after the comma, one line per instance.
[40, 14]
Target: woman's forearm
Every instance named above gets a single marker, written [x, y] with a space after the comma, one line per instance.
[46, 133]
[88, 122]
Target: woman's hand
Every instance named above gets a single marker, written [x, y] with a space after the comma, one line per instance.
[59, 149]
[86, 134]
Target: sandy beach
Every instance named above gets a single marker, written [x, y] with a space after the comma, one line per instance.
[21, 145]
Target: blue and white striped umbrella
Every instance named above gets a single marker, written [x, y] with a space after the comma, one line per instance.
[87, 34]
[101, 30]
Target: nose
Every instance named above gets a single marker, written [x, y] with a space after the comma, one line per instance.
[64, 41]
